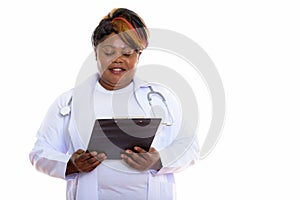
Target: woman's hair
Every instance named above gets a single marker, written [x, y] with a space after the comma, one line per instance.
[127, 24]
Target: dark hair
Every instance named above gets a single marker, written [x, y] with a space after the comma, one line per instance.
[130, 27]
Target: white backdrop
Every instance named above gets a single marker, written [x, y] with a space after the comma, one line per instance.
[255, 46]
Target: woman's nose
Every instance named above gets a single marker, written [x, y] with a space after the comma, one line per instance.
[119, 59]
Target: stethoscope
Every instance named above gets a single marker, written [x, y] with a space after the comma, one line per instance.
[67, 109]
[163, 99]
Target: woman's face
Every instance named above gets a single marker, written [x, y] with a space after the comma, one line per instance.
[116, 62]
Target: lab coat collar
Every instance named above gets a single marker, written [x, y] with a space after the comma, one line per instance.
[139, 83]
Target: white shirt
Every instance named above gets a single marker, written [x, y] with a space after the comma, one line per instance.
[114, 176]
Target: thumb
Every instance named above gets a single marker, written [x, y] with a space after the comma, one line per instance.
[152, 150]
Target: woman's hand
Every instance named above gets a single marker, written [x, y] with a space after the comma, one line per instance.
[142, 160]
[82, 161]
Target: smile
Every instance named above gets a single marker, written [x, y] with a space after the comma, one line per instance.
[117, 70]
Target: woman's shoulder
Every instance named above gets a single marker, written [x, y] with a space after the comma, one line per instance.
[64, 98]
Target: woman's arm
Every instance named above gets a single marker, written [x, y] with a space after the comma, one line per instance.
[49, 154]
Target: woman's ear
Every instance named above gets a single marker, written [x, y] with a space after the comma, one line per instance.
[139, 54]
[95, 52]
[138, 57]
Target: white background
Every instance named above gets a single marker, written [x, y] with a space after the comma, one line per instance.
[255, 46]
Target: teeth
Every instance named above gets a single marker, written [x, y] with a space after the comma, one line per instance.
[117, 69]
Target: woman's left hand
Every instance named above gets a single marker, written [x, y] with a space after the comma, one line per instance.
[141, 159]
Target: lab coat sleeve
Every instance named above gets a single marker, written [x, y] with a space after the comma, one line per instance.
[50, 152]
[179, 155]
[182, 148]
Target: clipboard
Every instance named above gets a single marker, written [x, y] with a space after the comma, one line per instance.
[114, 136]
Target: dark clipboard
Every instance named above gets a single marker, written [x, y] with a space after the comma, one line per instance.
[113, 136]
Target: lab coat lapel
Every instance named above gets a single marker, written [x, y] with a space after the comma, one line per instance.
[83, 115]
[81, 124]
[87, 186]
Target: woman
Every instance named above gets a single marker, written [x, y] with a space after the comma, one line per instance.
[114, 91]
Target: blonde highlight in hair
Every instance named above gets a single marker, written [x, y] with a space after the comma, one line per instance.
[130, 27]
[130, 35]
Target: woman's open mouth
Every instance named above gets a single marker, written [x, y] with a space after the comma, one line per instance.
[117, 70]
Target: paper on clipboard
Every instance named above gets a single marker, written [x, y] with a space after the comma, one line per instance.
[113, 136]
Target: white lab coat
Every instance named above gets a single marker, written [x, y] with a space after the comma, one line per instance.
[59, 136]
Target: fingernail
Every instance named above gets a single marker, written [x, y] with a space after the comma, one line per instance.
[93, 153]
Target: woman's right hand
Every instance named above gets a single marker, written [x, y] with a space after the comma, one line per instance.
[82, 161]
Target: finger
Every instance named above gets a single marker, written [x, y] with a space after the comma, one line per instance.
[137, 158]
[142, 153]
[79, 151]
[152, 150]
[93, 153]
[92, 166]
[76, 155]
[84, 156]
[101, 156]
[91, 160]
[139, 149]
[131, 162]
[131, 153]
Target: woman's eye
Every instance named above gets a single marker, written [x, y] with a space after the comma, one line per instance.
[128, 53]
[108, 53]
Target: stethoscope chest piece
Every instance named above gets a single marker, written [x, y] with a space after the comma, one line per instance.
[65, 110]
